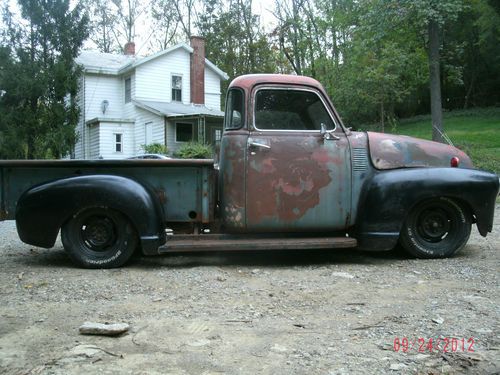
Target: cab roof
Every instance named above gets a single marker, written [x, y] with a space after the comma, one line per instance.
[248, 81]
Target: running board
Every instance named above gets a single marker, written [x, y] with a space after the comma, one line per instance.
[208, 242]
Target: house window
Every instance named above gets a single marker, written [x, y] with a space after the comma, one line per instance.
[128, 90]
[218, 134]
[118, 142]
[183, 132]
[177, 88]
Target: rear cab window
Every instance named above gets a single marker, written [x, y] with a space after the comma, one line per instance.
[235, 111]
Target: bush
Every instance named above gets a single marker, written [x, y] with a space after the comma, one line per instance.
[155, 148]
[195, 150]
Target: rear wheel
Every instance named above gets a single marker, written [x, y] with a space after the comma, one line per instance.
[436, 228]
[99, 238]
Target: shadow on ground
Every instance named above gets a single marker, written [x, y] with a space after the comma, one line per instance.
[57, 258]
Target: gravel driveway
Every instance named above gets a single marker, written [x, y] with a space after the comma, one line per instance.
[298, 312]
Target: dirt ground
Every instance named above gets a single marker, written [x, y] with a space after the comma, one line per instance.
[299, 312]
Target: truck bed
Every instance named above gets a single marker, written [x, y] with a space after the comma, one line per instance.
[187, 186]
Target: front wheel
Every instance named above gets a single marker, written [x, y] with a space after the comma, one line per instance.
[436, 228]
[99, 238]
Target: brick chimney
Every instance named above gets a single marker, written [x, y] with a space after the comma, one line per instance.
[198, 70]
[129, 49]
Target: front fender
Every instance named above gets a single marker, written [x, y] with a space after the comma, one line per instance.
[42, 210]
[389, 196]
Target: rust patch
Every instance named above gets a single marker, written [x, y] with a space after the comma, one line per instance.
[3, 215]
[285, 188]
[162, 197]
[389, 151]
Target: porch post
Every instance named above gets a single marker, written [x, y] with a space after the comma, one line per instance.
[201, 129]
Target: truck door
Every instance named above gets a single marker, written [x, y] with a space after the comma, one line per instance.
[298, 176]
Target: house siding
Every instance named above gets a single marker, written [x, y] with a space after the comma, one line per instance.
[158, 133]
[154, 78]
[99, 88]
[212, 89]
[107, 140]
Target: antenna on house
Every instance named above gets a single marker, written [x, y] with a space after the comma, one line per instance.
[104, 106]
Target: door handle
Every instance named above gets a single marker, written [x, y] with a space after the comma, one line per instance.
[257, 144]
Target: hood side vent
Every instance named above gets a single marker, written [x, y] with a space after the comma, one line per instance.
[359, 159]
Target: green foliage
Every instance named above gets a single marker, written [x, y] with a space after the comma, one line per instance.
[372, 56]
[39, 79]
[155, 148]
[195, 150]
[476, 132]
[235, 41]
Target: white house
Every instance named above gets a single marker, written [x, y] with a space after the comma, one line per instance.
[125, 101]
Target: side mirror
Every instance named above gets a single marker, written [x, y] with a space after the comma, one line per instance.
[327, 134]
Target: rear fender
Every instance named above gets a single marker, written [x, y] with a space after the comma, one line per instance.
[387, 199]
[42, 210]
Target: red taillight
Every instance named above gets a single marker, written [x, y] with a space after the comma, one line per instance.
[454, 162]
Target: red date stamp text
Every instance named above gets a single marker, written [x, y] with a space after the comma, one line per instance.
[442, 344]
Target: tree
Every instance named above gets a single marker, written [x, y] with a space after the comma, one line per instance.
[103, 23]
[127, 15]
[432, 16]
[165, 25]
[39, 79]
[234, 39]
[186, 13]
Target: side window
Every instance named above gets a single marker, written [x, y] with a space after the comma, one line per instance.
[176, 88]
[128, 90]
[283, 109]
[118, 142]
[235, 115]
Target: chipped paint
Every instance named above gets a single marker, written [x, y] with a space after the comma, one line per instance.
[302, 181]
[389, 151]
[232, 181]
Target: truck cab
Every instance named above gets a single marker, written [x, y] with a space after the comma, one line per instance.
[285, 158]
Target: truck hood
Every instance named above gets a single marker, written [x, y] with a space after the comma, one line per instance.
[389, 151]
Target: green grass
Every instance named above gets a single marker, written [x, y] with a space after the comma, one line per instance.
[476, 132]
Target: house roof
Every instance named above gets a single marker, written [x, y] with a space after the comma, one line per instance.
[106, 63]
[177, 109]
[114, 64]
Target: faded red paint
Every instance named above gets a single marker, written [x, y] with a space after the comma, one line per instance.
[249, 81]
[294, 181]
[389, 151]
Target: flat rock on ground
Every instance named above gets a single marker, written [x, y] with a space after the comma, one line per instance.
[295, 312]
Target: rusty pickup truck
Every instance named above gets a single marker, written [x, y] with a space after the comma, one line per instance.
[289, 175]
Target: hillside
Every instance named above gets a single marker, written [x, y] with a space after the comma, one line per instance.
[477, 132]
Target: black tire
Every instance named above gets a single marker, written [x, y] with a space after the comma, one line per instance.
[436, 228]
[99, 237]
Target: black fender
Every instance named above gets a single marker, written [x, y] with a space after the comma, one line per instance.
[42, 210]
[389, 196]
